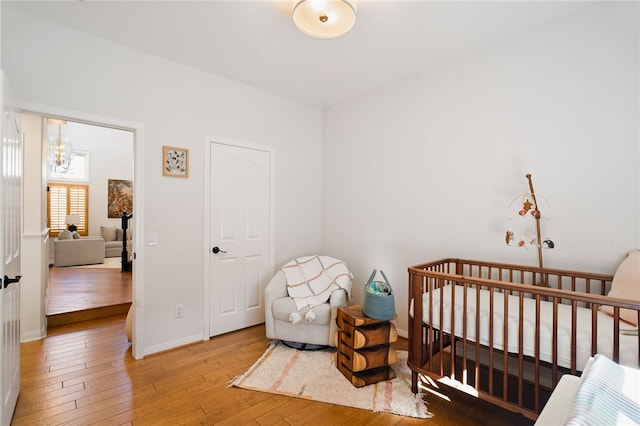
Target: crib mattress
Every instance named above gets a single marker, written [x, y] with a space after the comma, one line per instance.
[628, 343]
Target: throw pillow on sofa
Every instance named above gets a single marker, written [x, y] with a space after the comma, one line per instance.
[65, 235]
[75, 235]
[108, 233]
[120, 234]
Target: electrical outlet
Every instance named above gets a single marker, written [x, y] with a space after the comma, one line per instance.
[179, 311]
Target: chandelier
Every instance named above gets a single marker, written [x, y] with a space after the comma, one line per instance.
[59, 150]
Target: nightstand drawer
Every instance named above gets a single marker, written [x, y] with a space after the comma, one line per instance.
[364, 378]
[366, 358]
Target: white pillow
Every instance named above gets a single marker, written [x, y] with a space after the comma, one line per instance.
[75, 235]
[626, 285]
[108, 233]
[65, 235]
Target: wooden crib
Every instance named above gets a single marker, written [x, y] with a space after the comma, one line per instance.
[530, 326]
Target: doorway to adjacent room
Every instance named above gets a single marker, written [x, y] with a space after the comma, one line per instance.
[85, 163]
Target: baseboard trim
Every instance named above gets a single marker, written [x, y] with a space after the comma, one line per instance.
[34, 335]
[173, 344]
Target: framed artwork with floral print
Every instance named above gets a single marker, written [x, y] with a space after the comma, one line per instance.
[175, 161]
[119, 197]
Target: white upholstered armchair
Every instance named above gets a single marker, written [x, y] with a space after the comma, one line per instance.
[313, 324]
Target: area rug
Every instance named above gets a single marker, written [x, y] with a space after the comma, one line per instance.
[313, 375]
[109, 263]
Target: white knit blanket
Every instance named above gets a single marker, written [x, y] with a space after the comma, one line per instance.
[312, 279]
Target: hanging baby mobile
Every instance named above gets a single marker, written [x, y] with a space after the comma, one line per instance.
[526, 212]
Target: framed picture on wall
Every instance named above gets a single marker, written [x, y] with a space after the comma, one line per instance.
[119, 197]
[175, 161]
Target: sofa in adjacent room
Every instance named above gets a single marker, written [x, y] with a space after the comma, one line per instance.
[113, 240]
[73, 250]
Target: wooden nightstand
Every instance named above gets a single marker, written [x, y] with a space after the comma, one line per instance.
[364, 354]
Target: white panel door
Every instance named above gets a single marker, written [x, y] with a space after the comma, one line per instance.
[10, 236]
[239, 240]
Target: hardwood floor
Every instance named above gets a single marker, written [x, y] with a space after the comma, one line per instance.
[84, 374]
[77, 294]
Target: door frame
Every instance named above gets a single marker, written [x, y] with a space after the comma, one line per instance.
[137, 129]
[208, 140]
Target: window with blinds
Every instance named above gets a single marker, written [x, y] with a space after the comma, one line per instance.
[64, 199]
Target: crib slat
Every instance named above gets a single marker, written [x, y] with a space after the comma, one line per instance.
[520, 347]
[465, 287]
[536, 361]
[505, 345]
[554, 343]
[588, 286]
[594, 329]
[452, 352]
[430, 332]
[638, 317]
[491, 340]
[616, 334]
[438, 284]
[416, 290]
[477, 363]
[574, 332]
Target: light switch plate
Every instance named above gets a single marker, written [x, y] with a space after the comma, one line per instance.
[152, 238]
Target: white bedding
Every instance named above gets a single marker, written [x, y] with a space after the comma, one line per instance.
[608, 394]
[628, 344]
[605, 393]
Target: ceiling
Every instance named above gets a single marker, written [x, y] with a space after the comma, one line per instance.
[256, 43]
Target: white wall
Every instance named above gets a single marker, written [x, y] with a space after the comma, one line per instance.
[35, 238]
[425, 168]
[178, 106]
[418, 170]
[110, 157]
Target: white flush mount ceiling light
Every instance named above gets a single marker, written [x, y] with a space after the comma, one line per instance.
[324, 18]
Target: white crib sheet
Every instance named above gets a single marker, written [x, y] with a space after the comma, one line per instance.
[628, 344]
